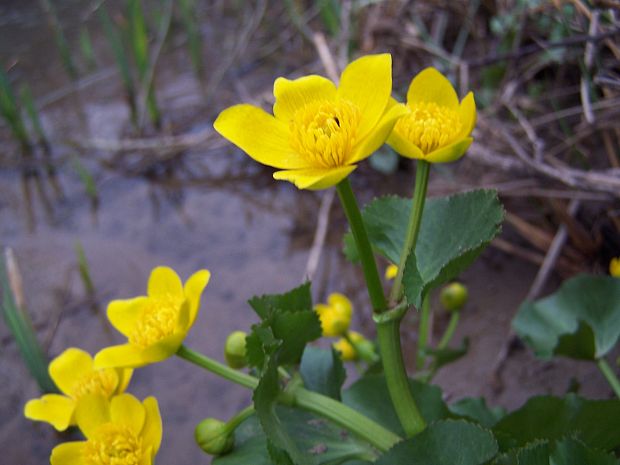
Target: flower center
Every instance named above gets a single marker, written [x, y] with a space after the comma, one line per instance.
[97, 382]
[429, 126]
[158, 319]
[113, 445]
[324, 132]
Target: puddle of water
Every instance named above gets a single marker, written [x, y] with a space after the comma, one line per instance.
[204, 208]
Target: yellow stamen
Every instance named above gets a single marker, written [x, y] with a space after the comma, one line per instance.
[97, 382]
[113, 444]
[324, 132]
[429, 126]
[158, 320]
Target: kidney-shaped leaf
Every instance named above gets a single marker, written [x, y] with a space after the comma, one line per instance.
[446, 442]
[581, 320]
[453, 232]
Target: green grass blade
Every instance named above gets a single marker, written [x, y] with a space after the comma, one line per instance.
[33, 113]
[86, 46]
[20, 325]
[59, 38]
[84, 268]
[9, 109]
[189, 18]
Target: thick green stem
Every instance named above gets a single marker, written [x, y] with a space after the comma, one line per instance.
[338, 412]
[346, 417]
[218, 368]
[415, 218]
[373, 282]
[447, 336]
[388, 335]
[423, 333]
[609, 374]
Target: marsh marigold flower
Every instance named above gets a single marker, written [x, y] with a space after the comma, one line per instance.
[74, 374]
[335, 316]
[391, 271]
[156, 324]
[614, 267]
[437, 127]
[121, 431]
[318, 132]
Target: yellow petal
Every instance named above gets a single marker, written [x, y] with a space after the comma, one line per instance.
[124, 376]
[120, 356]
[367, 82]
[164, 281]
[126, 410]
[468, 114]
[432, 86]
[260, 135]
[123, 314]
[315, 178]
[379, 135]
[163, 348]
[152, 431]
[54, 409]
[68, 453]
[292, 95]
[450, 153]
[91, 412]
[193, 291]
[403, 146]
[69, 367]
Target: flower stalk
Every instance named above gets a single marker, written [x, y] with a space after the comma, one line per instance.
[413, 229]
[610, 376]
[380, 437]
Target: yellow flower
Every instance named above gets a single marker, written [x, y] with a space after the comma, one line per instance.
[391, 271]
[122, 431]
[318, 132]
[335, 316]
[156, 324]
[75, 375]
[347, 351]
[614, 267]
[437, 128]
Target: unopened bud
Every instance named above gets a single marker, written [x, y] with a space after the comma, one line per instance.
[453, 297]
[214, 437]
[234, 350]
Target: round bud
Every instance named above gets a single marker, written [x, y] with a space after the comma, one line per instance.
[453, 297]
[234, 350]
[214, 437]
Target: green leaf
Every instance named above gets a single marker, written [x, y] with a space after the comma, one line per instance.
[534, 454]
[595, 422]
[581, 320]
[446, 442]
[370, 396]
[298, 299]
[476, 409]
[453, 232]
[295, 330]
[265, 399]
[320, 440]
[259, 343]
[456, 230]
[322, 371]
[570, 451]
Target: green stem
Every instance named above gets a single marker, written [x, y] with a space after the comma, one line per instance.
[346, 417]
[373, 282]
[447, 336]
[240, 417]
[388, 335]
[609, 374]
[218, 368]
[415, 218]
[423, 333]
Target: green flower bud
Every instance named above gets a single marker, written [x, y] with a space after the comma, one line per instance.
[453, 297]
[214, 437]
[234, 350]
